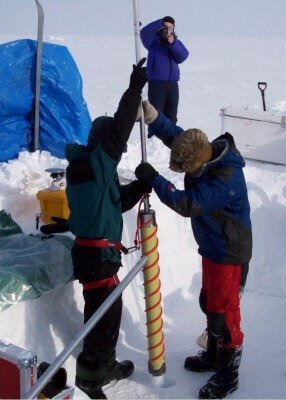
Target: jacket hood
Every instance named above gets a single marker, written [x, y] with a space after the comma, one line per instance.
[99, 127]
[225, 154]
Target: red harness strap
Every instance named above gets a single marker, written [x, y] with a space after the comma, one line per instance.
[103, 243]
[110, 282]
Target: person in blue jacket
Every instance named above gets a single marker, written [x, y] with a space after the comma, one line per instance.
[165, 53]
[215, 198]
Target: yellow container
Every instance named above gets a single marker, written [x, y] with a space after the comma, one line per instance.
[53, 204]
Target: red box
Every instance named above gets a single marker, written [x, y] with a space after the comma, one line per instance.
[18, 371]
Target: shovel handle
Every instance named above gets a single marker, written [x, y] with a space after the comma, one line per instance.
[262, 86]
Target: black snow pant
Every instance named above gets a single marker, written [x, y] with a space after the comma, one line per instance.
[164, 96]
[99, 345]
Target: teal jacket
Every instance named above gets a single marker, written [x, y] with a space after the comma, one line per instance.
[95, 196]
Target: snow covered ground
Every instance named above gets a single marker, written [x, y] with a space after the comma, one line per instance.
[219, 72]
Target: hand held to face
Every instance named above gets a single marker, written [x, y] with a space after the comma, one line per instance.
[171, 39]
[169, 25]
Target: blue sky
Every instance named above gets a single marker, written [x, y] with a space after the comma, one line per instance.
[255, 18]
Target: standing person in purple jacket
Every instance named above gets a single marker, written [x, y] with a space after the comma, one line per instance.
[165, 53]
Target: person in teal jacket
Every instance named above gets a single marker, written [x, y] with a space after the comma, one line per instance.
[97, 201]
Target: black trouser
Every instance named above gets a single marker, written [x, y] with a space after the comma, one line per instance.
[100, 343]
[164, 96]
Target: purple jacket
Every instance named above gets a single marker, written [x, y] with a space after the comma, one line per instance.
[163, 60]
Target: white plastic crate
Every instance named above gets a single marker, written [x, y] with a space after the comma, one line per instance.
[259, 135]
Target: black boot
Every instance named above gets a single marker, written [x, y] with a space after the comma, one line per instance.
[225, 381]
[206, 359]
[56, 384]
[90, 377]
[93, 391]
[119, 370]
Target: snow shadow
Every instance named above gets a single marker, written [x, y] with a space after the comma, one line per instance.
[52, 320]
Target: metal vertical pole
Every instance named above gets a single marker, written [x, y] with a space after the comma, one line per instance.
[38, 73]
[152, 284]
[138, 58]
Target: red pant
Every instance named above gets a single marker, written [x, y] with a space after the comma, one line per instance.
[220, 300]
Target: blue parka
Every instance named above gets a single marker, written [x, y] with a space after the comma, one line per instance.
[215, 199]
[163, 60]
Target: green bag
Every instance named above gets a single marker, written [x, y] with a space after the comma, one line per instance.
[7, 225]
[31, 265]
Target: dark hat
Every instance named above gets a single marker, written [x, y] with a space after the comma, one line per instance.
[98, 128]
[169, 19]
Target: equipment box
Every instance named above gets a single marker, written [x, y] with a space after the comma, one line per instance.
[53, 204]
[259, 135]
[18, 371]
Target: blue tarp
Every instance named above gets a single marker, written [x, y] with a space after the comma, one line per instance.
[64, 116]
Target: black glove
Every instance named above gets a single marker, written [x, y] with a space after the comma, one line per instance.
[142, 187]
[61, 225]
[146, 172]
[57, 383]
[138, 77]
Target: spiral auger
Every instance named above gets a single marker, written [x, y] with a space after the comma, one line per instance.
[153, 297]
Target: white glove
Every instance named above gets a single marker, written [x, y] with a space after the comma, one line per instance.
[150, 112]
[139, 114]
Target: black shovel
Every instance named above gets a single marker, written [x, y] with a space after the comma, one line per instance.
[262, 87]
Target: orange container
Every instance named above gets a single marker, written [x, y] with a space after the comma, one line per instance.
[53, 204]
